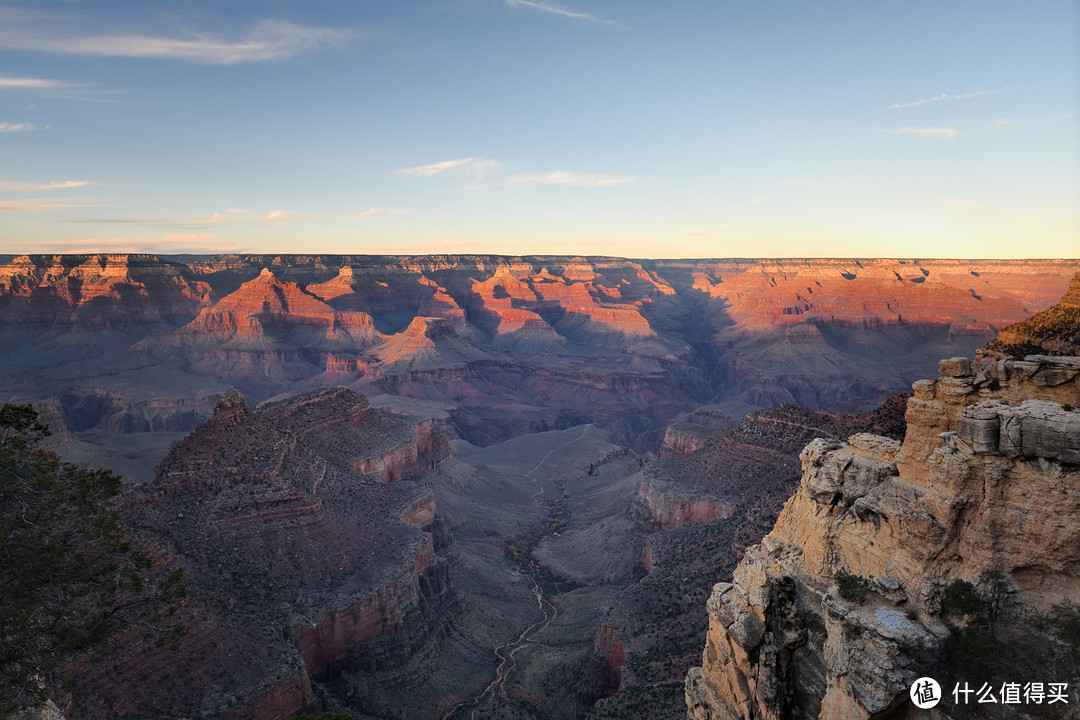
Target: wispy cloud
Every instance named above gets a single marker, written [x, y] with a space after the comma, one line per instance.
[40, 205]
[267, 40]
[184, 242]
[229, 217]
[59, 88]
[556, 10]
[486, 173]
[947, 96]
[38, 187]
[758, 201]
[374, 212]
[804, 183]
[563, 177]
[475, 167]
[15, 127]
[933, 133]
[25, 83]
[694, 233]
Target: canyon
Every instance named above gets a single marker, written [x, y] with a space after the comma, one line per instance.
[467, 486]
[853, 595]
[127, 349]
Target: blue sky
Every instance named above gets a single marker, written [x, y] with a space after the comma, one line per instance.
[645, 129]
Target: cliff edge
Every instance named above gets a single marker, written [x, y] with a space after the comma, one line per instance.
[955, 555]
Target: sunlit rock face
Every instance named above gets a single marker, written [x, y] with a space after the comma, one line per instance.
[494, 346]
[98, 290]
[987, 480]
[1054, 331]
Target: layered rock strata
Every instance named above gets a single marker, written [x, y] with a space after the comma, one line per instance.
[310, 548]
[1054, 331]
[495, 346]
[651, 635]
[985, 485]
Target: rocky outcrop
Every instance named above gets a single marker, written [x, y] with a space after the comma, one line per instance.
[1054, 331]
[747, 471]
[139, 293]
[268, 328]
[681, 438]
[311, 549]
[984, 486]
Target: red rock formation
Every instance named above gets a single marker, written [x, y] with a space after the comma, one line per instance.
[536, 343]
[99, 291]
[268, 328]
[681, 438]
[300, 566]
[1054, 331]
[606, 662]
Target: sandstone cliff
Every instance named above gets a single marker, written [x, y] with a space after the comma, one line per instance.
[840, 608]
[700, 510]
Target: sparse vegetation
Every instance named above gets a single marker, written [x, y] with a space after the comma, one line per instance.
[995, 587]
[961, 598]
[69, 578]
[851, 587]
[1066, 618]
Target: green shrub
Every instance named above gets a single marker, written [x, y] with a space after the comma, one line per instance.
[851, 587]
[961, 598]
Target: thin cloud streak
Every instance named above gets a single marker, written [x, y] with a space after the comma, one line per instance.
[562, 177]
[374, 212]
[947, 96]
[20, 83]
[187, 242]
[267, 40]
[230, 217]
[556, 10]
[37, 187]
[936, 133]
[58, 88]
[477, 167]
[15, 127]
[40, 205]
[480, 168]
